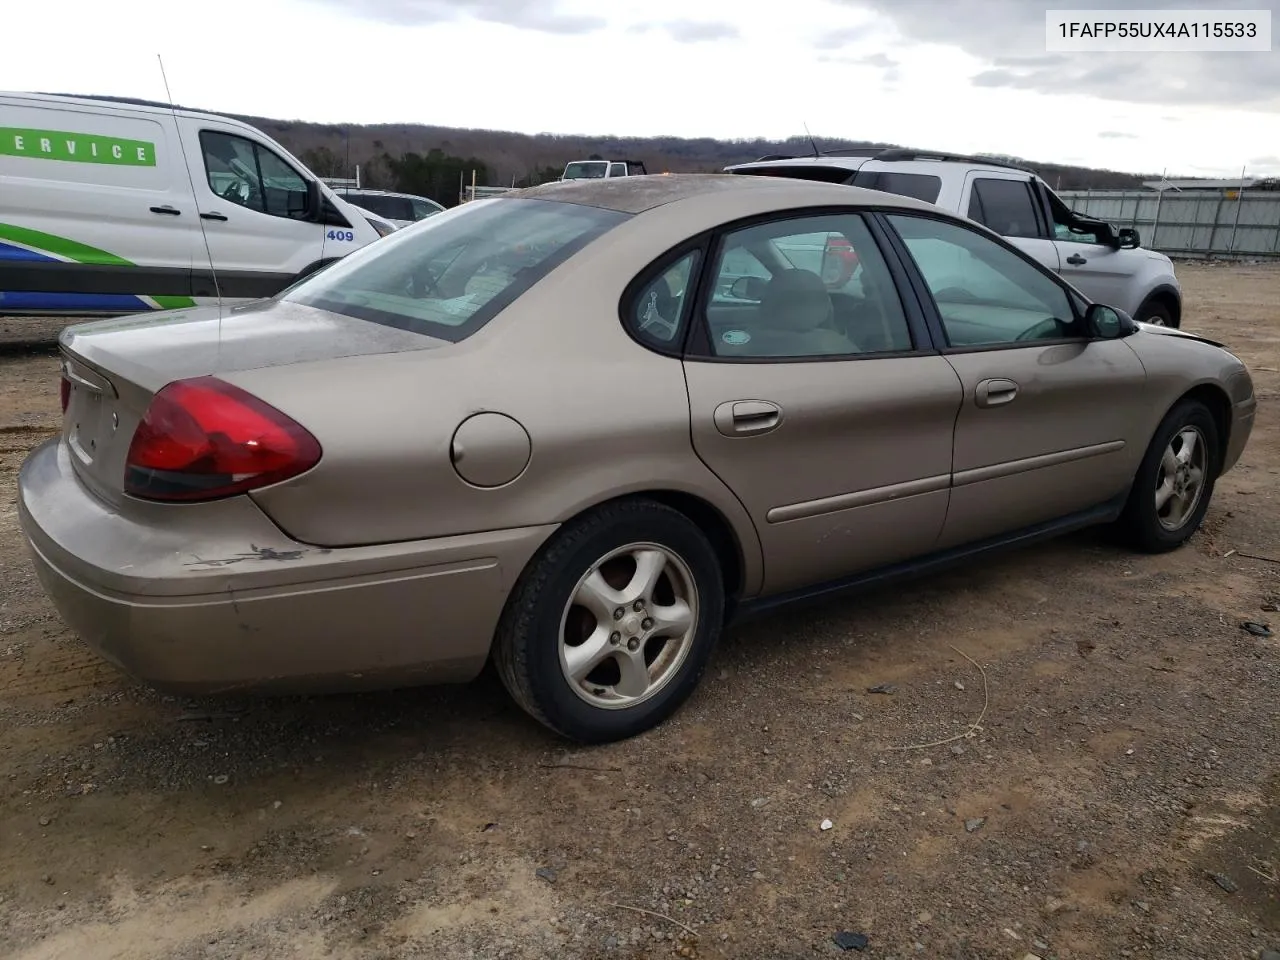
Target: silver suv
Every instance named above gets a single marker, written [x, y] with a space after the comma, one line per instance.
[402, 209]
[1106, 264]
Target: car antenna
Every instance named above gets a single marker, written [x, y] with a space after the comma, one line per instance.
[812, 143]
[217, 289]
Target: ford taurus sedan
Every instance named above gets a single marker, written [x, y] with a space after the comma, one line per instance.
[576, 429]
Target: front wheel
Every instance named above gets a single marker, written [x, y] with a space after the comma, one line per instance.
[1157, 314]
[608, 631]
[1173, 485]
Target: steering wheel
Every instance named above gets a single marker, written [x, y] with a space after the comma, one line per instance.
[423, 283]
[1048, 328]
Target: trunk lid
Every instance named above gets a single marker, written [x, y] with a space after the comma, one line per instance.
[115, 367]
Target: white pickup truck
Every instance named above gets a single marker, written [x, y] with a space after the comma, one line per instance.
[1106, 264]
[602, 169]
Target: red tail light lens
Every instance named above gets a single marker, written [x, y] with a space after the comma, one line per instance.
[204, 439]
[64, 392]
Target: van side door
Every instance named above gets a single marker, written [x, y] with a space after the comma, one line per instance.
[255, 211]
[95, 212]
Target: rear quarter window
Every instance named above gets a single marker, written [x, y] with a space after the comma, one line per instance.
[457, 271]
[807, 171]
[921, 186]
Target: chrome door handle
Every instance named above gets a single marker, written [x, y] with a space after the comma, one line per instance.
[745, 418]
[992, 393]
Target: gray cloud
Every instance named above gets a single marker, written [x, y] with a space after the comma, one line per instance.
[836, 39]
[1117, 135]
[870, 60]
[888, 67]
[1010, 36]
[698, 31]
[527, 14]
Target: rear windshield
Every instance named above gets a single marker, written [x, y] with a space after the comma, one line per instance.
[385, 205]
[586, 170]
[454, 272]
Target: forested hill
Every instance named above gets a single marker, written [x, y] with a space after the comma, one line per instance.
[430, 160]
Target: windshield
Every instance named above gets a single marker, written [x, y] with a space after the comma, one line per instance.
[456, 271]
[586, 170]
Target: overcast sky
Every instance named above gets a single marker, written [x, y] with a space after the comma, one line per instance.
[961, 75]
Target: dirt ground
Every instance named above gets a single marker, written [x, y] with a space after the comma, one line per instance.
[1119, 797]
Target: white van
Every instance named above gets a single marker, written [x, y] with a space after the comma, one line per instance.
[109, 207]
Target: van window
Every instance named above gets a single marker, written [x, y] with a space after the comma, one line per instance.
[452, 275]
[618, 170]
[248, 174]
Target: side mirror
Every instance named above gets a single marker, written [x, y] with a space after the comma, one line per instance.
[1128, 238]
[1107, 323]
[748, 288]
[314, 201]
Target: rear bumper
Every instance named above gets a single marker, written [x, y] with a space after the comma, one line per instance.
[213, 598]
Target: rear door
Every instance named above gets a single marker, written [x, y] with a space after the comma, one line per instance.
[255, 211]
[1004, 202]
[825, 411]
[1051, 422]
[95, 211]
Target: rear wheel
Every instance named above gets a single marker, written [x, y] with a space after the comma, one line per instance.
[1174, 484]
[608, 631]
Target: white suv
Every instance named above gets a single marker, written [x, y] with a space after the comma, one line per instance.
[1107, 265]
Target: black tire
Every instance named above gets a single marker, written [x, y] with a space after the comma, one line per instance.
[1158, 313]
[527, 645]
[1140, 524]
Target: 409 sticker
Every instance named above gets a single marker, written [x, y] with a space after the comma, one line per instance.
[340, 235]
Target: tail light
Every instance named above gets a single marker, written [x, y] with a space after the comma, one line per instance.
[204, 439]
[839, 261]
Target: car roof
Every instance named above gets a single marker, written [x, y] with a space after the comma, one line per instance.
[638, 194]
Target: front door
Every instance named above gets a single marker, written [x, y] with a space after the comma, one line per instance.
[254, 210]
[824, 410]
[1050, 417]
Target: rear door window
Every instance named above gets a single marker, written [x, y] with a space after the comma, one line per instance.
[460, 269]
[1005, 206]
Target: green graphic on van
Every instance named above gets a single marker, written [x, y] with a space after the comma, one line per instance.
[76, 147]
[73, 251]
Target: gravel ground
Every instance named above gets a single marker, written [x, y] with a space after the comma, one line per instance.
[1118, 794]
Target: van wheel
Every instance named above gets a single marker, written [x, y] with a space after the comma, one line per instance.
[608, 631]
[1174, 484]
